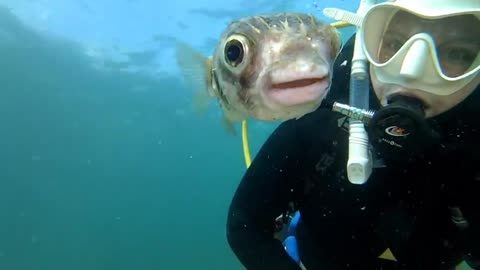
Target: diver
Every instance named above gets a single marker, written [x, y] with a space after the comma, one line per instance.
[419, 208]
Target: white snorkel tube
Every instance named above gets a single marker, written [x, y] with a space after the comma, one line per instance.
[359, 165]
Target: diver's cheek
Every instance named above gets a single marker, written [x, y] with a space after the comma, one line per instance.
[435, 106]
[441, 104]
[378, 88]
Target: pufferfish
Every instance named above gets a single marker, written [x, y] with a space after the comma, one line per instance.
[271, 67]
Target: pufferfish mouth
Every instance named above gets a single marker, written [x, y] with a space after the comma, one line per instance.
[297, 89]
[297, 83]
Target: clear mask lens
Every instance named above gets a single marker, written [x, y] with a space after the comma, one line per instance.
[453, 42]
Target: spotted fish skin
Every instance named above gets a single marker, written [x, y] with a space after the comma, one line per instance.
[272, 67]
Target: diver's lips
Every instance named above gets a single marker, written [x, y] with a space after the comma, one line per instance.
[297, 83]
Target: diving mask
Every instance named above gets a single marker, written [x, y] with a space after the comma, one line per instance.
[429, 45]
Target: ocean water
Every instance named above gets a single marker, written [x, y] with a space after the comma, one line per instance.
[103, 163]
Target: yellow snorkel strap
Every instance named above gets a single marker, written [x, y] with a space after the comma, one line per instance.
[340, 24]
[246, 147]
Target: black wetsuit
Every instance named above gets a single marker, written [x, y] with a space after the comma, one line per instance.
[427, 212]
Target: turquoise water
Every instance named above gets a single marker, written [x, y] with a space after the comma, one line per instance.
[103, 164]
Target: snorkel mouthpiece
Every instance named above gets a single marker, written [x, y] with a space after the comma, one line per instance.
[406, 103]
[402, 117]
[398, 130]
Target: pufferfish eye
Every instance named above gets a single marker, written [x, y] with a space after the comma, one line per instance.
[234, 52]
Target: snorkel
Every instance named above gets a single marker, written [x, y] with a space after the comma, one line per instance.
[359, 165]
